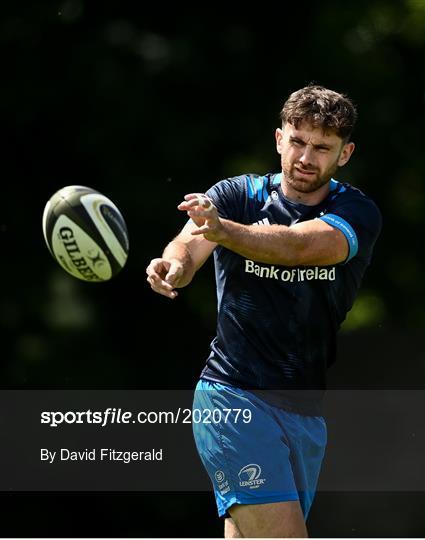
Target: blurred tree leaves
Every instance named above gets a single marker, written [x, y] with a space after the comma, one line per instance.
[146, 107]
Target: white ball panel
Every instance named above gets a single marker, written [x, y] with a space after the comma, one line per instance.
[77, 253]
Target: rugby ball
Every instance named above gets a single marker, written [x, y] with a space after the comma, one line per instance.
[86, 233]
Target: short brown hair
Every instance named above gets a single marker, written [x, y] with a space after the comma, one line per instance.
[321, 107]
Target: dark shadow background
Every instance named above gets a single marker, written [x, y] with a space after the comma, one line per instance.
[146, 103]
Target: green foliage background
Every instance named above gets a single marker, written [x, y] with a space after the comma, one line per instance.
[147, 103]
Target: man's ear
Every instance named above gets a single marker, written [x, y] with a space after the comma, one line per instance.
[278, 136]
[347, 150]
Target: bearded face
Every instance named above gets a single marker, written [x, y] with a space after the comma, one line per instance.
[307, 178]
[309, 158]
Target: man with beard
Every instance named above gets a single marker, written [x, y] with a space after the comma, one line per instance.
[290, 251]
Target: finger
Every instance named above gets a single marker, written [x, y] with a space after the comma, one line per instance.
[186, 205]
[156, 266]
[204, 213]
[201, 230]
[206, 203]
[173, 274]
[158, 282]
[190, 200]
[191, 196]
[169, 293]
[202, 200]
[196, 199]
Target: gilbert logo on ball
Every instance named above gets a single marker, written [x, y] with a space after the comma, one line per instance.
[86, 233]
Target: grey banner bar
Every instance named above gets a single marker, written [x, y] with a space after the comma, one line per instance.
[141, 440]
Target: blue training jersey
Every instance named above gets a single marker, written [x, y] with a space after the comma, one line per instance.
[276, 325]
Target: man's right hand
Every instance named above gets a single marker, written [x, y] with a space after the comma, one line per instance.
[164, 276]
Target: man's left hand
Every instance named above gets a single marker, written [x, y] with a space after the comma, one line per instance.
[203, 213]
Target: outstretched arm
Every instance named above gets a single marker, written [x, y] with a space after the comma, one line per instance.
[311, 242]
[180, 260]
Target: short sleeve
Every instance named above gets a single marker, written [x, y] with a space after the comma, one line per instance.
[228, 196]
[359, 219]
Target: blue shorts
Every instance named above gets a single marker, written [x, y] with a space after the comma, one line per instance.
[253, 452]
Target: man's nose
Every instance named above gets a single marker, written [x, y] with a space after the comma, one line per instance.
[306, 157]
